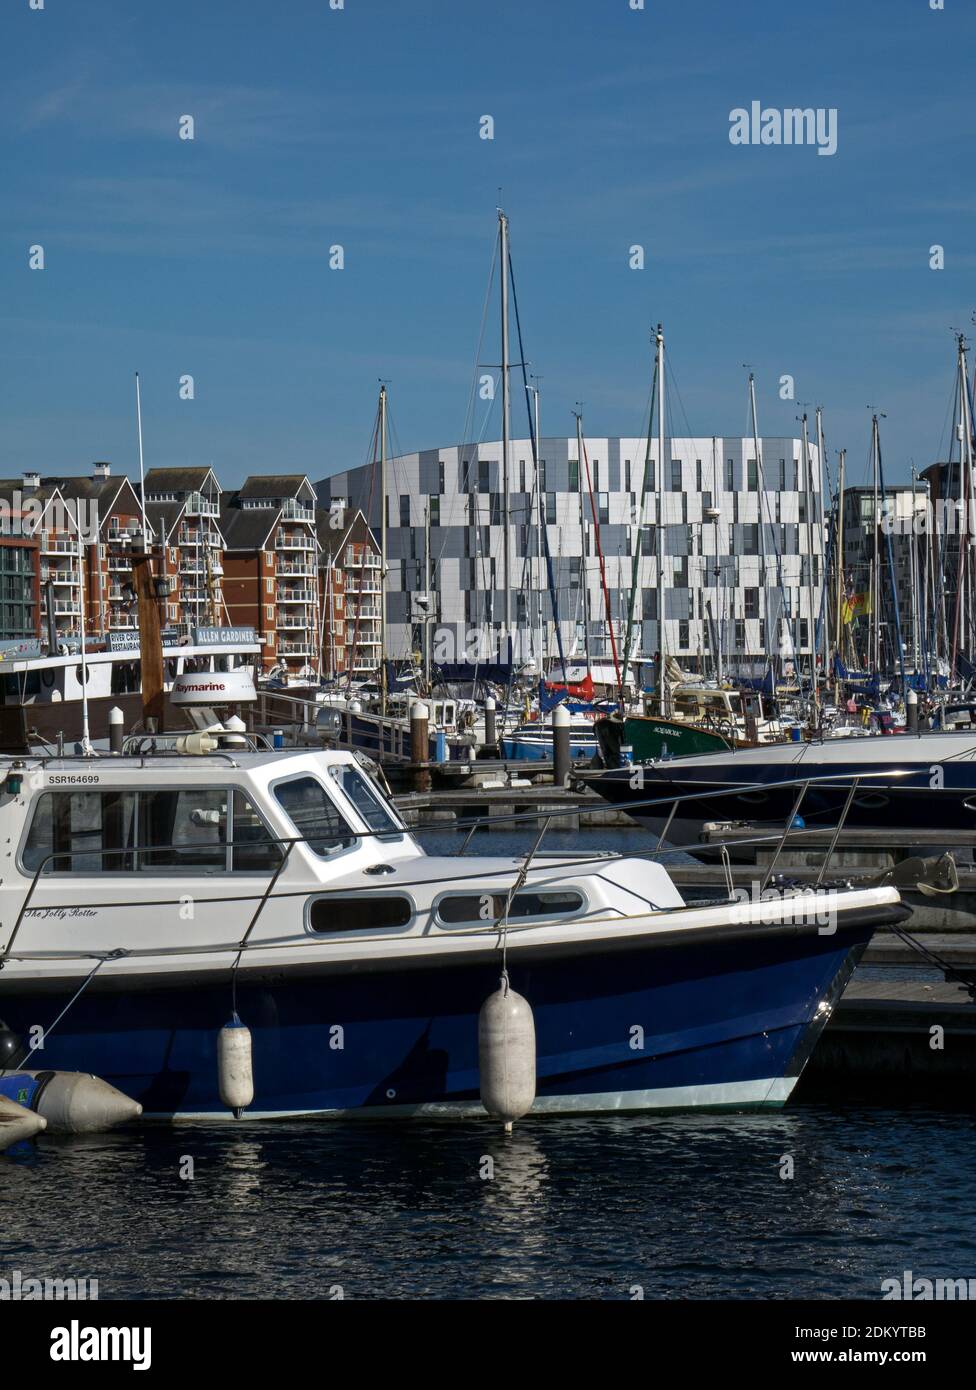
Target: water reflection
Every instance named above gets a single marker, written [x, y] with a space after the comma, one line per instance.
[683, 1206]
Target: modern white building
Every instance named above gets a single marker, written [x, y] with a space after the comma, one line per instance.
[737, 580]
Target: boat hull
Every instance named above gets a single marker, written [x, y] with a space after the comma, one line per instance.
[938, 795]
[714, 1024]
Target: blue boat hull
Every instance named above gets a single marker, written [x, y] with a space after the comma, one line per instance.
[538, 750]
[880, 802]
[725, 1022]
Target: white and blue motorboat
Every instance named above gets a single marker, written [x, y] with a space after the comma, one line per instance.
[147, 899]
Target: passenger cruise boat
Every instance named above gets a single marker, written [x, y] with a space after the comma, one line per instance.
[149, 898]
[42, 696]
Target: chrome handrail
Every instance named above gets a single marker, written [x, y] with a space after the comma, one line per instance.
[828, 781]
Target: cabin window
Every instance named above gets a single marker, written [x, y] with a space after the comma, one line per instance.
[125, 677]
[367, 801]
[359, 914]
[123, 831]
[470, 908]
[183, 829]
[314, 815]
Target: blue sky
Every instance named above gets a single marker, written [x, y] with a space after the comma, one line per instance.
[361, 127]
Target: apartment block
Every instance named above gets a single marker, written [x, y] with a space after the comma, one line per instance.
[350, 568]
[183, 512]
[742, 542]
[271, 569]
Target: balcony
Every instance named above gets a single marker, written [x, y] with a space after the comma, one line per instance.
[206, 539]
[294, 511]
[362, 586]
[294, 648]
[198, 505]
[65, 608]
[121, 624]
[292, 625]
[298, 570]
[294, 542]
[296, 595]
[63, 577]
[361, 558]
[50, 546]
[119, 564]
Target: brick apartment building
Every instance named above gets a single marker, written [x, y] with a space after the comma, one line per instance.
[183, 512]
[259, 556]
[271, 568]
[350, 566]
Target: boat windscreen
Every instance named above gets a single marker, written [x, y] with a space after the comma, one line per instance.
[314, 815]
[366, 799]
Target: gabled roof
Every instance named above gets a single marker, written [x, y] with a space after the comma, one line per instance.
[247, 528]
[105, 492]
[333, 541]
[164, 517]
[274, 485]
[181, 480]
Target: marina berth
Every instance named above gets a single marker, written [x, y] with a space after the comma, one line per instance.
[148, 901]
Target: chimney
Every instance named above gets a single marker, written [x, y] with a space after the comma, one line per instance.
[32, 481]
[101, 471]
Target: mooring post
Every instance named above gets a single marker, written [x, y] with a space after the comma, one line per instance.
[560, 746]
[911, 711]
[420, 746]
[116, 732]
[491, 738]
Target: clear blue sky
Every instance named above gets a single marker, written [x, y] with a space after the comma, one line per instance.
[360, 127]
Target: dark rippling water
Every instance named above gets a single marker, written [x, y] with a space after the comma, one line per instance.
[679, 1206]
[684, 1207]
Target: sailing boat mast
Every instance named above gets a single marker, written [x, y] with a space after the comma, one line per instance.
[761, 490]
[964, 435]
[663, 690]
[811, 631]
[875, 585]
[428, 589]
[584, 592]
[822, 607]
[539, 508]
[383, 507]
[635, 573]
[506, 420]
[839, 571]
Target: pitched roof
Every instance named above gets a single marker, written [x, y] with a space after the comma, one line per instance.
[246, 528]
[177, 479]
[273, 485]
[333, 541]
[163, 518]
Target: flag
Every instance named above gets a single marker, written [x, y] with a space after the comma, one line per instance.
[856, 606]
